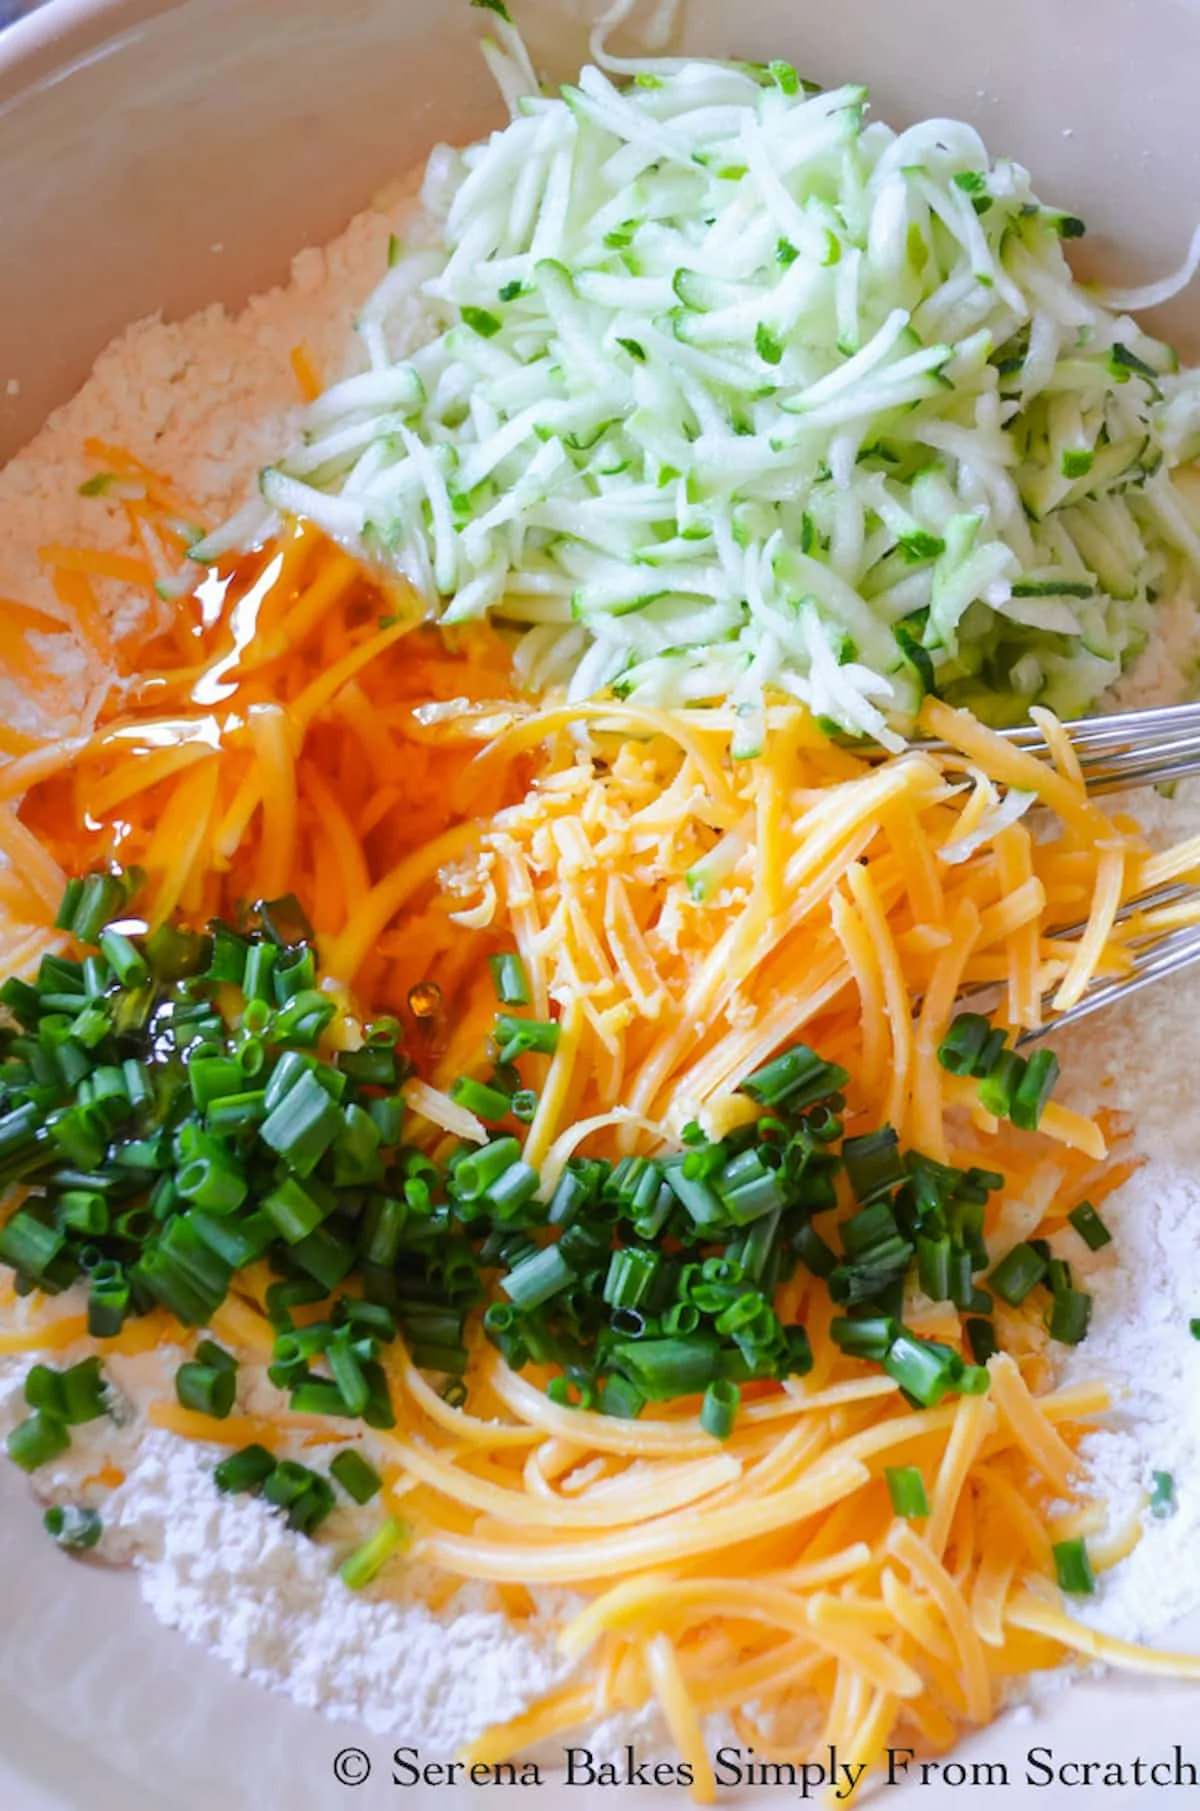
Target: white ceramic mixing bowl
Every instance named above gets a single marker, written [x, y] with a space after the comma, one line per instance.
[139, 136]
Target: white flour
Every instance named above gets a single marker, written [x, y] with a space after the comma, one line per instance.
[226, 1572]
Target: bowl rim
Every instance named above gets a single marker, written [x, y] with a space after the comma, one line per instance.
[47, 43]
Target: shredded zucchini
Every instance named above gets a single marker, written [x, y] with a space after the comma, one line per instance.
[739, 393]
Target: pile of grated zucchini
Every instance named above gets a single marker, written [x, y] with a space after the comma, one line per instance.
[741, 393]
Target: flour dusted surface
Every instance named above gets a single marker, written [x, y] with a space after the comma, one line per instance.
[226, 1572]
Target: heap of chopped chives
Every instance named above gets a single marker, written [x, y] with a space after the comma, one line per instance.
[170, 1102]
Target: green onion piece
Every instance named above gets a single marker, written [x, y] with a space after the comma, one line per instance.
[257, 980]
[478, 1098]
[525, 1105]
[873, 1165]
[981, 1337]
[999, 1088]
[304, 1017]
[348, 1375]
[284, 920]
[387, 1030]
[1074, 1568]
[303, 1126]
[206, 1389]
[74, 1529]
[287, 1483]
[538, 1279]
[101, 897]
[309, 1511]
[1070, 1314]
[125, 959]
[963, 1044]
[230, 1114]
[368, 1562]
[510, 980]
[921, 1367]
[816, 1255]
[44, 1391]
[475, 1173]
[631, 1275]
[718, 1411]
[1162, 1496]
[1033, 1090]
[798, 1077]
[243, 1471]
[85, 1393]
[213, 1078]
[666, 1368]
[871, 1339]
[1017, 1274]
[216, 1187]
[325, 1256]
[108, 1302]
[37, 1441]
[229, 952]
[208, 1352]
[933, 1267]
[1194, 1328]
[358, 1479]
[389, 1118]
[319, 1396]
[514, 1037]
[621, 1398]
[68, 906]
[1090, 1226]
[374, 1066]
[698, 1198]
[295, 973]
[82, 1210]
[906, 1487]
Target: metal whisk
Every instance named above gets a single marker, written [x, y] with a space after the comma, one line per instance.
[1118, 754]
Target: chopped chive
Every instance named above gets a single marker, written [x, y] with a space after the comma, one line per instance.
[477, 1097]
[871, 1338]
[244, 1471]
[923, 1369]
[664, 1368]
[207, 1389]
[515, 1037]
[1017, 1273]
[510, 980]
[963, 1044]
[981, 1337]
[303, 1126]
[85, 1393]
[906, 1487]
[718, 1411]
[798, 1077]
[365, 1565]
[1162, 1496]
[1070, 1314]
[358, 1479]
[125, 959]
[74, 1529]
[999, 1087]
[1033, 1090]
[538, 1279]
[1074, 1568]
[1090, 1226]
[36, 1441]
